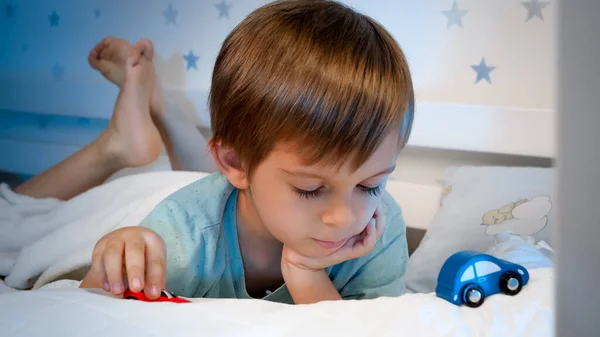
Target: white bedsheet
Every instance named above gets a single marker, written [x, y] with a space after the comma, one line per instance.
[77, 312]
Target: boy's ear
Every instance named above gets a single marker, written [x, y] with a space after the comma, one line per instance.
[229, 163]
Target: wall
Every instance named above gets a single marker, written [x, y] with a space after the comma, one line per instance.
[578, 178]
[44, 70]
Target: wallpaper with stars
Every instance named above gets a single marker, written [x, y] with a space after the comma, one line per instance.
[493, 52]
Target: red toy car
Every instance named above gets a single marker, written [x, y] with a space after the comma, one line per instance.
[165, 296]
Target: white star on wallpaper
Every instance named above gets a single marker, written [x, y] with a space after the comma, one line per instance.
[534, 8]
[54, 18]
[57, 72]
[223, 8]
[483, 71]
[170, 14]
[10, 10]
[191, 60]
[454, 15]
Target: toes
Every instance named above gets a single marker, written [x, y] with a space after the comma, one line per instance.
[94, 56]
[135, 54]
[93, 59]
[102, 44]
[148, 48]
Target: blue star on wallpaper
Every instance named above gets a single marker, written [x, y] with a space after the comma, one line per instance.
[483, 71]
[25, 47]
[454, 15]
[534, 8]
[57, 72]
[223, 8]
[54, 18]
[97, 13]
[191, 60]
[170, 14]
[10, 10]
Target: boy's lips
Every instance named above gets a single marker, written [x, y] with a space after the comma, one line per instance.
[335, 244]
[330, 244]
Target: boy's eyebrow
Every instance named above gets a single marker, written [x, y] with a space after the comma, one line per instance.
[315, 175]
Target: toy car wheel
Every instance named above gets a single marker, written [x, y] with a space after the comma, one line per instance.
[473, 296]
[511, 283]
[131, 298]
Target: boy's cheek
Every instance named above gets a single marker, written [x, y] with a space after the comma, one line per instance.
[368, 210]
[286, 222]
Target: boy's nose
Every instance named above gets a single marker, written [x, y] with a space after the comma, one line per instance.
[341, 215]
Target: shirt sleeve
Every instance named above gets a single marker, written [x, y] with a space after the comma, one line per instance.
[382, 272]
[176, 227]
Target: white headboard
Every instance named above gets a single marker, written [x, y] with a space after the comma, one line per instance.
[446, 135]
[513, 131]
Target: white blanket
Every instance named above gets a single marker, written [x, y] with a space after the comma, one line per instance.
[77, 312]
[43, 239]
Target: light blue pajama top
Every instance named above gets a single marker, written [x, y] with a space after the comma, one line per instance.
[198, 224]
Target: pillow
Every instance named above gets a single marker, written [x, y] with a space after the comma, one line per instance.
[477, 203]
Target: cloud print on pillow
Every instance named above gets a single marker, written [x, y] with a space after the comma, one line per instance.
[525, 217]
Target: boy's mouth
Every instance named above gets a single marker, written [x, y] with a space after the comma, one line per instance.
[330, 244]
[337, 244]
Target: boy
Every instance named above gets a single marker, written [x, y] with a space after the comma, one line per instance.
[310, 105]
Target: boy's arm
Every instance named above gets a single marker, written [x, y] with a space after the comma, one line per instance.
[308, 286]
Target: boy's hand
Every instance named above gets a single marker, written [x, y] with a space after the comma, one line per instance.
[356, 246]
[133, 257]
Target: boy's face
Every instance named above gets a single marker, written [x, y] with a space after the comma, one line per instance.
[315, 209]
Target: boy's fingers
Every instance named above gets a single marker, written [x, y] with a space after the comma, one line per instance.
[380, 226]
[155, 270]
[381, 210]
[97, 269]
[380, 216]
[347, 251]
[113, 264]
[134, 263]
[368, 242]
[372, 235]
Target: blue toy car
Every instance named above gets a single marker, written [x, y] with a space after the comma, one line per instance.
[467, 277]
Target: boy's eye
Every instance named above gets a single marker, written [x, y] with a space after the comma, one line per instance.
[374, 191]
[309, 194]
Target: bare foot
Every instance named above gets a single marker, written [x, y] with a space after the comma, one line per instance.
[131, 137]
[109, 58]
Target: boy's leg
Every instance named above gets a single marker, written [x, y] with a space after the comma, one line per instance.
[131, 139]
[186, 146]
